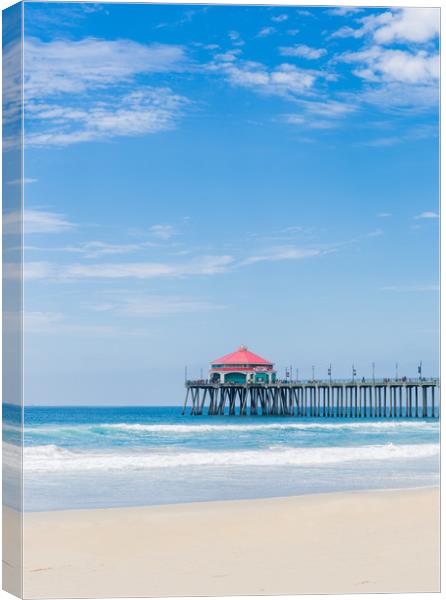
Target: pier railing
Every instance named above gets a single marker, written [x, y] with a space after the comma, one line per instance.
[352, 398]
[333, 382]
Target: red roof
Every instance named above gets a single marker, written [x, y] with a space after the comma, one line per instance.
[242, 356]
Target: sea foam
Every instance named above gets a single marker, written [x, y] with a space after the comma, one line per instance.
[50, 458]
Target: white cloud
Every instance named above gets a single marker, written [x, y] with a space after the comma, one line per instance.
[206, 265]
[283, 80]
[76, 66]
[86, 90]
[11, 89]
[384, 215]
[283, 253]
[321, 114]
[228, 56]
[428, 214]
[38, 270]
[154, 306]
[380, 64]
[144, 111]
[25, 181]
[163, 232]
[279, 18]
[35, 221]
[412, 288]
[412, 134]
[36, 322]
[303, 51]
[266, 31]
[396, 95]
[39, 221]
[330, 108]
[374, 233]
[407, 25]
[347, 31]
[343, 11]
[235, 38]
[307, 121]
[96, 249]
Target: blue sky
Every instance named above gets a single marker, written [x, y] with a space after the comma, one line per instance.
[201, 177]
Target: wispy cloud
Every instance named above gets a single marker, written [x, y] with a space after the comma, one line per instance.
[206, 265]
[52, 323]
[411, 288]
[36, 221]
[147, 110]
[97, 249]
[283, 253]
[303, 51]
[395, 65]
[404, 76]
[78, 66]
[85, 90]
[197, 266]
[67, 16]
[154, 306]
[344, 11]
[415, 133]
[162, 232]
[428, 214]
[235, 38]
[25, 181]
[384, 215]
[321, 114]
[229, 55]
[283, 80]
[279, 18]
[265, 31]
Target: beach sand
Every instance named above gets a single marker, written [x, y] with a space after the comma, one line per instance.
[329, 543]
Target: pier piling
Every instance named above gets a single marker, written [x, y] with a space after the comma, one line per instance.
[339, 399]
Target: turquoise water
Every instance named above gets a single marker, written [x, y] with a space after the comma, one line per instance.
[99, 457]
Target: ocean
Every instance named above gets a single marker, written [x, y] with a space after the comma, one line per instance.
[78, 457]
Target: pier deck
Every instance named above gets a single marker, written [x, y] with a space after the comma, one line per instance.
[386, 398]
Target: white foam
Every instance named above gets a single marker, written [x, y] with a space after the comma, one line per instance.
[207, 428]
[50, 458]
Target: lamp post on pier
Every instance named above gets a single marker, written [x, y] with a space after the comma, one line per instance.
[329, 372]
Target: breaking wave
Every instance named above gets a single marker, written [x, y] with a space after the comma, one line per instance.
[204, 428]
[51, 458]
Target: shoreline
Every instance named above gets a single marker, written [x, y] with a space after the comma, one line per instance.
[374, 541]
[432, 487]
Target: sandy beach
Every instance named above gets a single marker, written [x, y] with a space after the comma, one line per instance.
[328, 543]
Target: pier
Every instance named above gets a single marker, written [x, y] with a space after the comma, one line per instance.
[386, 398]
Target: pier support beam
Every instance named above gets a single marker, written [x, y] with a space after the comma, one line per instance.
[315, 399]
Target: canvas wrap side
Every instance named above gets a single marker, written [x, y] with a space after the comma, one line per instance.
[12, 292]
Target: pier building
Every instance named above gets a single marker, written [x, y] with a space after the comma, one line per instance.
[242, 367]
[244, 383]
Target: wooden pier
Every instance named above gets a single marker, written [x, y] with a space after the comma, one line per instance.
[399, 398]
